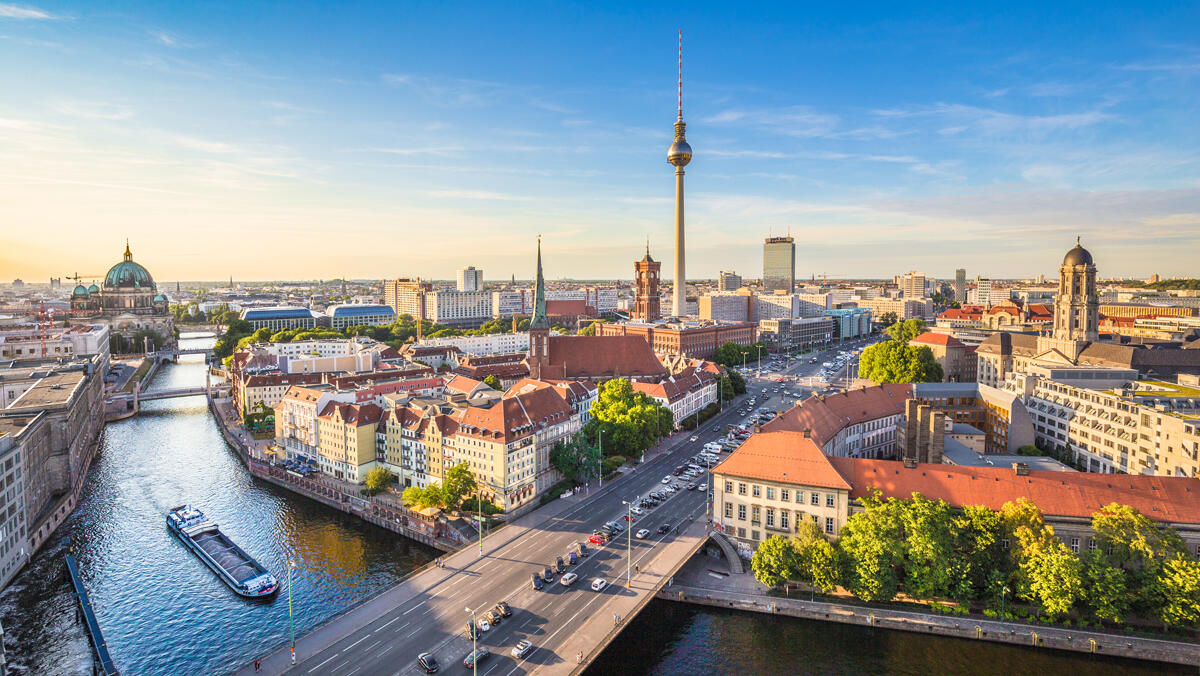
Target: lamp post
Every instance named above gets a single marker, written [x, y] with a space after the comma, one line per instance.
[629, 542]
[291, 620]
[758, 372]
[599, 460]
[474, 643]
[1003, 593]
[479, 517]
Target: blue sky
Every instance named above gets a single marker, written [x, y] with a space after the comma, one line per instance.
[300, 140]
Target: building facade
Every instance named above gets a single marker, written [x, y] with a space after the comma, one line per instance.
[646, 296]
[280, 318]
[470, 279]
[779, 264]
[805, 333]
[344, 316]
[728, 281]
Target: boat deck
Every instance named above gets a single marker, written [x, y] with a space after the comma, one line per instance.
[223, 551]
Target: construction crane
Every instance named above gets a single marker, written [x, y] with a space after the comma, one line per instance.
[78, 277]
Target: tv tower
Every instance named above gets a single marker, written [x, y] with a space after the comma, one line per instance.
[679, 154]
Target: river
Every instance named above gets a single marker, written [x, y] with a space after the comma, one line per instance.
[163, 612]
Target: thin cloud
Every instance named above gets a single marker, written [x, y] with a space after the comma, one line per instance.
[798, 121]
[450, 92]
[477, 195]
[215, 147]
[8, 11]
[166, 39]
[993, 122]
[95, 110]
[441, 151]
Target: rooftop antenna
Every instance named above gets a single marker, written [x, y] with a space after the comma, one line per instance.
[679, 116]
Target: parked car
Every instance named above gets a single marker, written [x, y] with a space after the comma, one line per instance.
[615, 526]
[484, 625]
[703, 487]
[537, 581]
[636, 510]
[691, 487]
[548, 574]
[582, 549]
[493, 618]
[572, 558]
[559, 566]
[666, 480]
[428, 663]
[521, 649]
[596, 539]
[568, 579]
[599, 584]
[476, 656]
[641, 534]
[503, 609]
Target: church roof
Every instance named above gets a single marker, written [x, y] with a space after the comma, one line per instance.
[572, 357]
[128, 274]
[1078, 256]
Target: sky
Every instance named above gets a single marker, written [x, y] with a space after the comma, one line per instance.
[321, 140]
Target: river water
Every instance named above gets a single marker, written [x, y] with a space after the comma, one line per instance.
[164, 612]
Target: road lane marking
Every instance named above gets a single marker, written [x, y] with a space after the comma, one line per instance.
[354, 644]
[414, 608]
[322, 664]
[386, 624]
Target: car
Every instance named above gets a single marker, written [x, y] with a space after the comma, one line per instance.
[608, 530]
[694, 438]
[478, 655]
[636, 510]
[493, 617]
[503, 609]
[484, 625]
[599, 584]
[537, 581]
[691, 487]
[583, 549]
[671, 488]
[568, 579]
[596, 540]
[559, 566]
[703, 487]
[615, 526]
[666, 480]
[572, 558]
[548, 574]
[716, 428]
[428, 663]
[521, 649]
[641, 534]
[665, 528]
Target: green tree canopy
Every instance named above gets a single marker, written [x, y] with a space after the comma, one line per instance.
[893, 361]
[774, 562]
[378, 480]
[423, 498]
[625, 422]
[816, 557]
[576, 458]
[906, 330]
[458, 483]
[738, 382]
[1180, 582]
[493, 382]
[729, 354]
[873, 542]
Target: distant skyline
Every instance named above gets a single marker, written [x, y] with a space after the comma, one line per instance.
[306, 141]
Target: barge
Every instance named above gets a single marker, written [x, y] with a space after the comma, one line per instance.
[231, 563]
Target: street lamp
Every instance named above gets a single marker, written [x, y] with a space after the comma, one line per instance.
[629, 545]
[474, 643]
[759, 371]
[1003, 593]
[291, 620]
[479, 517]
[599, 459]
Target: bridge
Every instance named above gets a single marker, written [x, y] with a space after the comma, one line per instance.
[569, 626]
[173, 354]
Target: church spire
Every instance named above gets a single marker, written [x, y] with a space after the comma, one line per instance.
[128, 253]
[539, 320]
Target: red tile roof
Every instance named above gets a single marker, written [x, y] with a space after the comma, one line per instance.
[352, 414]
[782, 456]
[567, 308]
[930, 338]
[1068, 494]
[515, 417]
[572, 357]
[826, 416]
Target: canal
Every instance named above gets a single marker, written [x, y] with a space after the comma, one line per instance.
[164, 613]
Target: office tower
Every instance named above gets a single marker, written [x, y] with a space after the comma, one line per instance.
[912, 284]
[960, 285]
[729, 281]
[470, 279]
[779, 264]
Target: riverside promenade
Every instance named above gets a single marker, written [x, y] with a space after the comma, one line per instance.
[704, 581]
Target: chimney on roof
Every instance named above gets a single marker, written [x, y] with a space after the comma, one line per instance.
[910, 463]
[757, 428]
[1022, 469]
[807, 433]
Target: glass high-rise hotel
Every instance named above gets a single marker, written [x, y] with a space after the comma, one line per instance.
[779, 264]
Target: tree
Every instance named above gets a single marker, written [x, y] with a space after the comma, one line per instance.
[872, 541]
[816, 557]
[928, 546]
[727, 392]
[493, 382]
[893, 361]
[1180, 582]
[978, 560]
[575, 458]
[906, 330]
[887, 319]
[1105, 591]
[1130, 541]
[1029, 450]
[738, 382]
[1054, 573]
[458, 483]
[630, 422]
[729, 354]
[774, 562]
[378, 480]
[590, 329]
[423, 498]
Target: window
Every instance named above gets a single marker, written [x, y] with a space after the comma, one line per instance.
[783, 494]
[800, 497]
[816, 498]
[814, 518]
[829, 524]
[728, 486]
[754, 535]
[742, 532]
[829, 500]
[783, 520]
[754, 514]
[1092, 546]
[728, 510]
[741, 489]
[770, 518]
[770, 493]
[741, 512]
[1075, 545]
[755, 490]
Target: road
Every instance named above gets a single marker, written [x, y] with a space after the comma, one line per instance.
[431, 613]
